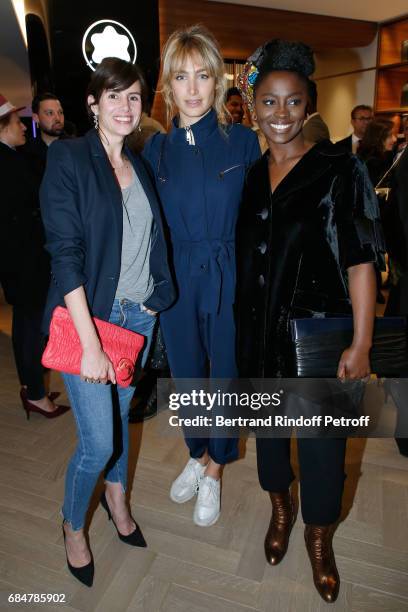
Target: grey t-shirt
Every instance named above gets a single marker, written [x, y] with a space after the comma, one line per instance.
[135, 280]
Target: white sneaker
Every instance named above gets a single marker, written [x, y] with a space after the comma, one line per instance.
[208, 505]
[186, 484]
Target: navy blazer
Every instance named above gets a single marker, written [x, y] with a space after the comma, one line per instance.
[81, 205]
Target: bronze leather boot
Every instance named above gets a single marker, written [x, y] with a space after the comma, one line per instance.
[319, 547]
[282, 520]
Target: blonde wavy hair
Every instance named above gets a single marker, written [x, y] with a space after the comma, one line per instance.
[180, 45]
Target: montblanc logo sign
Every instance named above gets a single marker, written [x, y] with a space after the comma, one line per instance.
[108, 38]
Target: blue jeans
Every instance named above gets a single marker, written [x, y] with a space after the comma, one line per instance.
[101, 415]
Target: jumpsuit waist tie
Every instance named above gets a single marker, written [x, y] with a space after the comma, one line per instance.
[214, 258]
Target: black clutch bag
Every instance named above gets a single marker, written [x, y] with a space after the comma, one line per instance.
[319, 342]
[158, 354]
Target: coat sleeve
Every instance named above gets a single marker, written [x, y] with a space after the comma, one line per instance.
[360, 235]
[62, 220]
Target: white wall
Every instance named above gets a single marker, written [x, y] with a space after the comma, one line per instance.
[337, 95]
[15, 82]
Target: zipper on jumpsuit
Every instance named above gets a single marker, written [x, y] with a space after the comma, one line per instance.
[191, 141]
[189, 135]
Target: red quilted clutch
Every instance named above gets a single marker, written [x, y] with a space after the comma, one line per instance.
[64, 352]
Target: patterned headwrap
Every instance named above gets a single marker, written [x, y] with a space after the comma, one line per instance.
[247, 78]
[281, 55]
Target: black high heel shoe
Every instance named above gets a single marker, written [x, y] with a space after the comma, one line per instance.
[135, 538]
[84, 574]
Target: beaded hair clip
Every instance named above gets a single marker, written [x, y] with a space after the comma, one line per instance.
[247, 78]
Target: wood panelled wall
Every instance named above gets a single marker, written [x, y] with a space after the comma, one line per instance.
[241, 29]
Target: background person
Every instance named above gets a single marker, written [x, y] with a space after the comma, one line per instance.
[377, 151]
[24, 264]
[396, 235]
[304, 235]
[200, 169]
[404, 125]
[49, 118]
[361, 115]
[377, 148]
[144, 131]
[235, 104]
[314, 128]
[109, 260]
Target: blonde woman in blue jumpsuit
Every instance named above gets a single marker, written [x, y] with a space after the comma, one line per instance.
[199, 168]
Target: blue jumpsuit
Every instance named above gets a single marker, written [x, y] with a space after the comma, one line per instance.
[200, 178]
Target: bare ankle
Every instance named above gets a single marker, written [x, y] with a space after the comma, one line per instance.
[72, 533]
[204, 459]
[115, 494]
[214, 470]
[44, 403]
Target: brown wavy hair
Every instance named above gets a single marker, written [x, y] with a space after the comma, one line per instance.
[115, 74]
[372, 144]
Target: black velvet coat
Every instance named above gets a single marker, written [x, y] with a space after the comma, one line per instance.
[293, 250]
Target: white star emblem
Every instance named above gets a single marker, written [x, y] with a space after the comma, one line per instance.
[108, 38]
[110, 44]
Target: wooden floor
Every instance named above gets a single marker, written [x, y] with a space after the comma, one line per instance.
[188, 568]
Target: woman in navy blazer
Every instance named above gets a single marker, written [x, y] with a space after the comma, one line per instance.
[108, 257]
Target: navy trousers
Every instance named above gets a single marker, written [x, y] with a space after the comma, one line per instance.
[201, 344]
[321, 465]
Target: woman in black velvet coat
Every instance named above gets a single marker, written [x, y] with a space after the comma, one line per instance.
[308, 236]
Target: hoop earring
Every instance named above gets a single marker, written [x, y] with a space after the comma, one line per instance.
[96, 122]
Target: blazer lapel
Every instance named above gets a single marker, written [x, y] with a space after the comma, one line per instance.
[308, 170]
[109, 185]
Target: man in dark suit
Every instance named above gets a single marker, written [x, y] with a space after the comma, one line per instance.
[49, 118]
[314, 128]
[361, 116]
